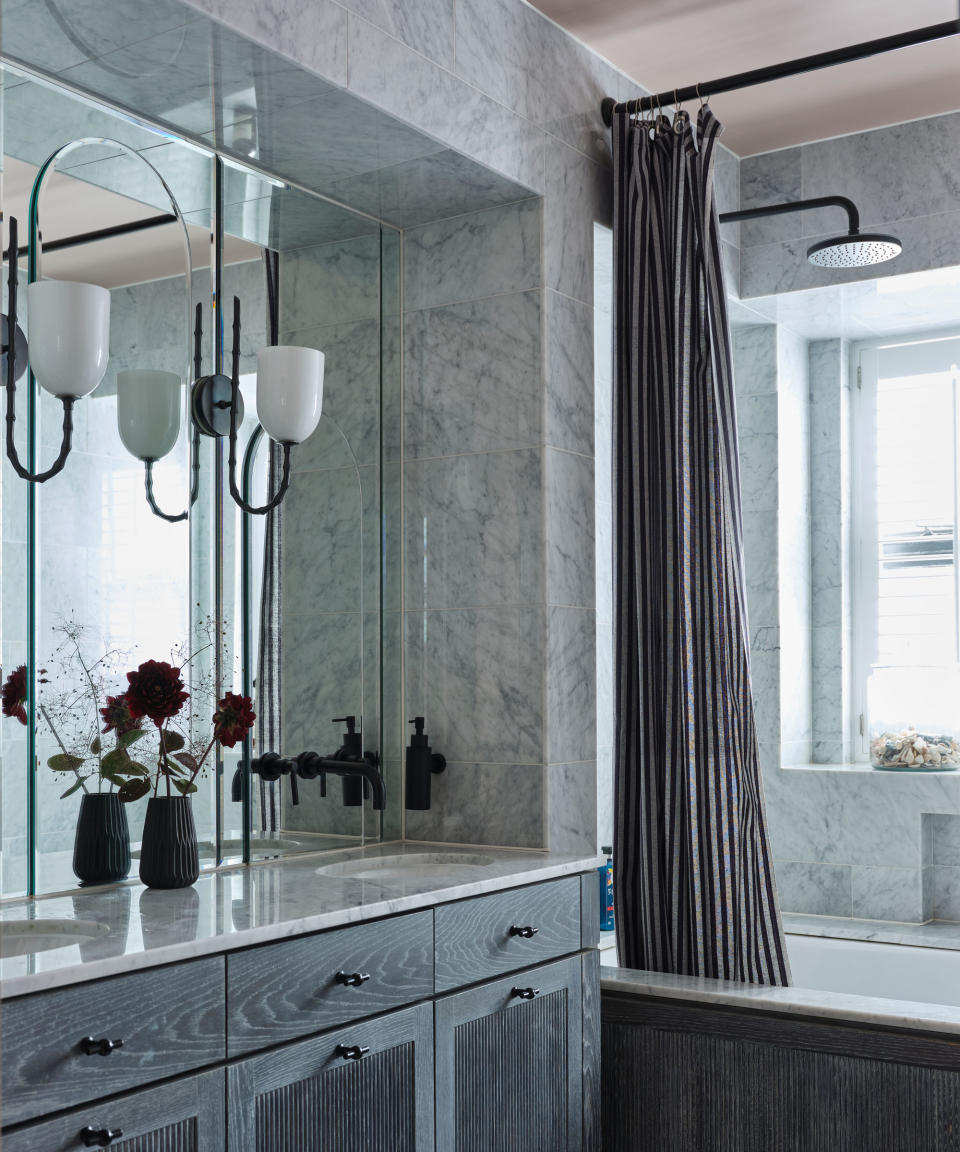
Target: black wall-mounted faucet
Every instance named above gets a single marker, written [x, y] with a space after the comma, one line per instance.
[360, 771]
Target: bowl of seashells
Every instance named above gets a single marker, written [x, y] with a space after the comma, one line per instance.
[911, 751]
[913, 713]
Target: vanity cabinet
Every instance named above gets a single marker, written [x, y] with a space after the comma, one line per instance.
[368, 1086]
[467, 1027]
[185, 1115]
[509, 1063]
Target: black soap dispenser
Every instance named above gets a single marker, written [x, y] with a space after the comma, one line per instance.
[421, 764]
[353, 787]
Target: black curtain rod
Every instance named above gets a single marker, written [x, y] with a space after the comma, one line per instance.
[99, 234]
[779, 71]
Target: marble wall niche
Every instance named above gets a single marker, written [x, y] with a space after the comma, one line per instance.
[903, 178]
[330, 300]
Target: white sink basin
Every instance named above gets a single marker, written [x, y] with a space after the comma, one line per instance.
[415, 866]
[20, 937]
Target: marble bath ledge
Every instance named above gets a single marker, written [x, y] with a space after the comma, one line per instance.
[236, 907]
[789, 1001]
[932, 934]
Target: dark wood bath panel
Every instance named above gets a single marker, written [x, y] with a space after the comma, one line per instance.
[680, 1076]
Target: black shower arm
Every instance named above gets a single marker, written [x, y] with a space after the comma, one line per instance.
[853, 216]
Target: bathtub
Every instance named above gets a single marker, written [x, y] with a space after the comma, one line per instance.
[865, 968]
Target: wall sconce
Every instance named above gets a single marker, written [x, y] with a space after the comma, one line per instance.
[148, 420]
[69, 322]
[69, 349]
[289, 404]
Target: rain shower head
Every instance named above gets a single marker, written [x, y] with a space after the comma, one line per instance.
[854, 251]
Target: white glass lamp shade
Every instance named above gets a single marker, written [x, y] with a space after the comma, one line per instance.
[69, 335]
[289, 392]
[148, 412]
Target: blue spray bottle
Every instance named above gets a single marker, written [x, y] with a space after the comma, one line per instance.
[606, 892]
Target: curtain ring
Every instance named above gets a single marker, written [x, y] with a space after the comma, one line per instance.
[703, 103]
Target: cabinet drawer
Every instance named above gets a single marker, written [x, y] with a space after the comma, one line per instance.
[186, 1115]
[170, 1020]
[282, 991]
[483, 937]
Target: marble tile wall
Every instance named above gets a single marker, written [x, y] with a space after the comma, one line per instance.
[330, 298]
[902, 178]
[474, 504]
[829, 549]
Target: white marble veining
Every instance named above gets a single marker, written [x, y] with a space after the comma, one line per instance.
[235, 908]
[571, 684]
[570, 528]
[473, 526]
[474, 376]
[800, 1001]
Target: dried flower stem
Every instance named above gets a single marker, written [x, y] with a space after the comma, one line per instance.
[63, 747]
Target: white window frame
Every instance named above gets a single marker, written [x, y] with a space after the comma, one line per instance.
[864, 372]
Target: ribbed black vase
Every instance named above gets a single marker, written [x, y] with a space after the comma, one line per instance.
[101, 847]
[168, 853]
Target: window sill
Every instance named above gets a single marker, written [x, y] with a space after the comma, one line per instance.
[868, 769]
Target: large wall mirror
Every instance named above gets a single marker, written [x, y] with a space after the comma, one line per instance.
[113, 561]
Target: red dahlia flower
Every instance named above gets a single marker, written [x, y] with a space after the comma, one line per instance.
[233, 719]
[117, 716]
[155, 690]
[15, 694]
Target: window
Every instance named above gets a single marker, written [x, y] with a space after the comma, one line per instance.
[906, 586]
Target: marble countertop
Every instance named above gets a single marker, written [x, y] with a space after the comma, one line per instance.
[236, 907]
[795, 1001]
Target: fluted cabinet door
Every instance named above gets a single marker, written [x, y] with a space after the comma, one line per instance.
[185, 1115]
[364, 1088]
[508, 1063]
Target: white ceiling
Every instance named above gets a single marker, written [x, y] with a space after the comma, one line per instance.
[70, 206]
[671, 43]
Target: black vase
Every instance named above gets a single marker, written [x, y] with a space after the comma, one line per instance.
[168, 852]
[101, 848]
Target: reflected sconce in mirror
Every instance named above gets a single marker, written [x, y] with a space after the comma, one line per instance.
[148, 420]
[289, 404]
[69, 345]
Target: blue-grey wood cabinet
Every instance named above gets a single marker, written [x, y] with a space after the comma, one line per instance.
[509, 1063]
[466, 1028]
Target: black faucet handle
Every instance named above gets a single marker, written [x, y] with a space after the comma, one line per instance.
[350, 721]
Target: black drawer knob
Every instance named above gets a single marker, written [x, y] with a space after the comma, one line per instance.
[99, 1137]
[526, 932]
[352, 979]
[525, 993]
[351, 1051]
[102, 1047]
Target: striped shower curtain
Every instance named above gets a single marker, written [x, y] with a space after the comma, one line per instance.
[694, 884]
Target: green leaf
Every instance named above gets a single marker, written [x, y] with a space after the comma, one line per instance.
[130, 737]
[73, 787]
[64, 762]
[173, 741]
[95, 746]
[112, 778]
[184, 787]
[115, 761]
[135, 769]
[188, 760]
[133, 790]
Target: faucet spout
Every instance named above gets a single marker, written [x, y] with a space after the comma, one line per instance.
[366, 768]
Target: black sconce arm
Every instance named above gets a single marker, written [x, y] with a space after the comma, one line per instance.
[9, 350]
[234, 406]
